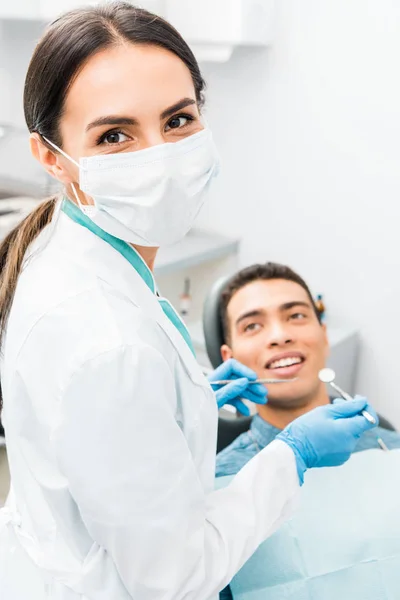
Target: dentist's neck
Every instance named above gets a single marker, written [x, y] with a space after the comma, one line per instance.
[148, 254]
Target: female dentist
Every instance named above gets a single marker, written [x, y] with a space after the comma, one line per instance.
[110, 424]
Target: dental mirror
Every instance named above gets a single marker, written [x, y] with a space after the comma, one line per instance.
[327, 375]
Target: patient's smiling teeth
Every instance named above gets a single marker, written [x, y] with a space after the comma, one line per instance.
[285, 362]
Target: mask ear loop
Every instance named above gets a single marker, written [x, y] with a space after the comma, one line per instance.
[61, 152]
[86, 209]
[81, 206]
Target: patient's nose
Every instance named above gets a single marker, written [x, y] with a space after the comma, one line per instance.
[278, 335]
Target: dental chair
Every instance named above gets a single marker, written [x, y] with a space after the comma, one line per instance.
[230, 428]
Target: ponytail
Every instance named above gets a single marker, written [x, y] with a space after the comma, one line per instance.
[12, 252]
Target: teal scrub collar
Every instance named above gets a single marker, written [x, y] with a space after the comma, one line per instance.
[128, 252]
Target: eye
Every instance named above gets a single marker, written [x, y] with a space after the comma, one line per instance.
[298, 316]
[113, 137]
[251, 327]
[178, 122]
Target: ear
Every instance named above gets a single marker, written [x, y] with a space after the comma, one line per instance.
[226, 352]
[52, 162]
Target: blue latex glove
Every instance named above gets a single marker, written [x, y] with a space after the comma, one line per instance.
[327, 435]
[232, 393]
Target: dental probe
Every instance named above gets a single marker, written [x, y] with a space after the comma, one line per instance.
[226, 381]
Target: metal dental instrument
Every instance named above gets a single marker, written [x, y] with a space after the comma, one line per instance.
[328, 376]
[226, 381]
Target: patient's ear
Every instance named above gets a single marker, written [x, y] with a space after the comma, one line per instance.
[226, 352]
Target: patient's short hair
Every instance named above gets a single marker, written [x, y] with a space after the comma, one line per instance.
[266, 271]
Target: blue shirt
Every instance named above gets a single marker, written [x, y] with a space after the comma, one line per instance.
[248, 444]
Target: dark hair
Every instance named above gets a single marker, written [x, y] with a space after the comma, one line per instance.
[266, 271]
[63, 50]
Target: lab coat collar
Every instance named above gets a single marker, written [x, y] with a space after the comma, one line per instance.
[160, 308]
[127, 251]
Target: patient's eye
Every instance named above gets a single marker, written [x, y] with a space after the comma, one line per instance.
[251, 327]
[298, 316]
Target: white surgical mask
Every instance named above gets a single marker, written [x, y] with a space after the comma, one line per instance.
[150, 197]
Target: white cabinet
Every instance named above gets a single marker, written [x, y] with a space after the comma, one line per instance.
[155, 6]
[223, 21]
[19, 9]
[39, 10]
[51, 9]
[214, 28]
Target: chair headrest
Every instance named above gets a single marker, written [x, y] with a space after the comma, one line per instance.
[212, 324]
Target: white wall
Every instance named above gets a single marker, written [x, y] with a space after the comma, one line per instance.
[5, 98]
[309, 134]
[17, 41]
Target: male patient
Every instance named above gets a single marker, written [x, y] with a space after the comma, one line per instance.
[272, 325]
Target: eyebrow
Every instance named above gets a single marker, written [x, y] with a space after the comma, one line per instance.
[260, 312]
[250, 313]
[117, 120]
[289, 305]
[177, 106]
[111, 120]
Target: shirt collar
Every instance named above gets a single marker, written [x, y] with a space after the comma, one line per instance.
[263, 432]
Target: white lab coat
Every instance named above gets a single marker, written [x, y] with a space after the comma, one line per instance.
[111, 434]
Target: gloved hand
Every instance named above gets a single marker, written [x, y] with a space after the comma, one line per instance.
[327, 435]
[232, 393]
